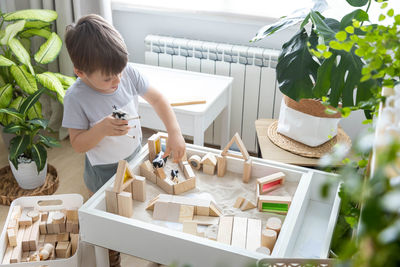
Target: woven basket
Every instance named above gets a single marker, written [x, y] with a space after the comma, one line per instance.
[311, 107]
[9, 189]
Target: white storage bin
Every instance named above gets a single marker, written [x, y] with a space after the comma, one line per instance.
[44, 203]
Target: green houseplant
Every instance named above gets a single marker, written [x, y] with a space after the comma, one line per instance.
[29, 145]
[22, 71]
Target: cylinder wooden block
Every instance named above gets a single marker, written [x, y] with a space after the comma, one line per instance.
[195, 162]
[268, 238]
[274, 223]
[263, 250]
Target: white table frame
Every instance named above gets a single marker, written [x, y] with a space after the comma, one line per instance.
[193, 119]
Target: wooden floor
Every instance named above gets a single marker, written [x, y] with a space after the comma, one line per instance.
[69, 165]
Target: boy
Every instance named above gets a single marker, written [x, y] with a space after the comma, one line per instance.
[107, 81]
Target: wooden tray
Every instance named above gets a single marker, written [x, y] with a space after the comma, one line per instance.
[9, 189]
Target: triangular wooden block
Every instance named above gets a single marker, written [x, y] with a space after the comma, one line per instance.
[123, 177]
[214, 210]
[236, 138]
[247, 205]
[239, 202]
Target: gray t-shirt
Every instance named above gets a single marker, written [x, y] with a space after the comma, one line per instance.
[84, 107]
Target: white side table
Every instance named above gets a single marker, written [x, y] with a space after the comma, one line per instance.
[185, 86]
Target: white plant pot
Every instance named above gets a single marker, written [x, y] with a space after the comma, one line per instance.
[27, 176]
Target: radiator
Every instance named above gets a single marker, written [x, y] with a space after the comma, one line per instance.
[254, 91]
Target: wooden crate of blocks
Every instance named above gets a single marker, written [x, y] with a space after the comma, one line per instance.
[37, 235]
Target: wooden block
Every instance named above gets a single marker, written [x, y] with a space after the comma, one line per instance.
[7, 255]
[123, 177]
[270, 182]
[184, 186]
[160, 173]
[49, 223]
[268, 238]
[202, 211]
[34, 236]
[164, 185]
[58, 217]
[25, 256]
[186, 213]
[154, 146]
[182, 163]
[190, 227]
[215, 210]
[187, 170]
[263, 250]
[34, 215]
[52, 238]
[253, 238]
[139, 188]
[63, 250]
[56, 228]
[69, 225]
[239, 232]
[25, 220]
[12, 237]
[225, 230]
[274, 223]
[174, 210]
[221, 166]
[74, 243]
[75, 226]
[125, 206]
[236, 139]
[63, 237]
[208, 169]
[17, 250]
[111, 201]
[146, 170]
[205, 220]
[25, 239]
[72, 215]
[247, 171]
[247, 205]
[43, 216]
[278, 204]
[239, 202]
[160, 211]
[13, 224]
[194, 161]
[42, 238]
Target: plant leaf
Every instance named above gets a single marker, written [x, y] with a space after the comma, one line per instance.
[50, 81]
[49, 141]
[357, 3]
[18, 145]
[321, 27]
[65, 80]
[27, 45]
[49, 50]
[35, 111]
[322, 85]
[5, 95]
[39, 122]
[5, 62]
[295, 65]
[276, 27]
[24, 79]
[12, 30]
[36, 24]
[13, 128]
[45, 15]
[12, 112]
[39, 155]
[358, 14]
[30, 101]
[21, 53]
[39, 32]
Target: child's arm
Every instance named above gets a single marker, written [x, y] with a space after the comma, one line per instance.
[176, 143]
[84, 140]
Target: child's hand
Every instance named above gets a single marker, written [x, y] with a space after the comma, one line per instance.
[175, 146]
[111, 126]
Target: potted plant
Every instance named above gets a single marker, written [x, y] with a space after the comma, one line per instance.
[28, 155]
[22, 71]
[312, 65]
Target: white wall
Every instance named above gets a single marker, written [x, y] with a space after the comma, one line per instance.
[135, 24]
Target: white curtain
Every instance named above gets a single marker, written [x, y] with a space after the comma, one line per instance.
[69, 11]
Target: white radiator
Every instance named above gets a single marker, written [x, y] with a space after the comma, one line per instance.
[254, 91]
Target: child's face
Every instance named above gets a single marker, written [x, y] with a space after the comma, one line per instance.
[100, 82]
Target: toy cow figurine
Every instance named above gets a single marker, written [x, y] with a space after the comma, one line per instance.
[174, 173]
[119, 114]
[159, 161]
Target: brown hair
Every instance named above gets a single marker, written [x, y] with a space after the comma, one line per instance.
[93, 45]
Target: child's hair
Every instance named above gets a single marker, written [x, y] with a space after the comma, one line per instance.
[93, 45]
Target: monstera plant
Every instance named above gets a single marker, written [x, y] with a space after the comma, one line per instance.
[313, 64]
[22, 71]
[23, 78]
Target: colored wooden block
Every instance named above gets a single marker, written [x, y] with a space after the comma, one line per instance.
[274, 223]
[111, 200]
[123, 177]
[160, 173]
[63, 250]
[189, 227]
[270, 182]
[194, 161]
[221, 166]
[247, 171]
[277, 204]
[268, 238]
[186, 213]
[125, 206]
[34, 236]
[139, 188]
[239, 232]
[225, 230]
[146, 170]
[253, 238]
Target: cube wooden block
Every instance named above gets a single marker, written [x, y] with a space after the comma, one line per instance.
[209, 169]
[63, 249]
